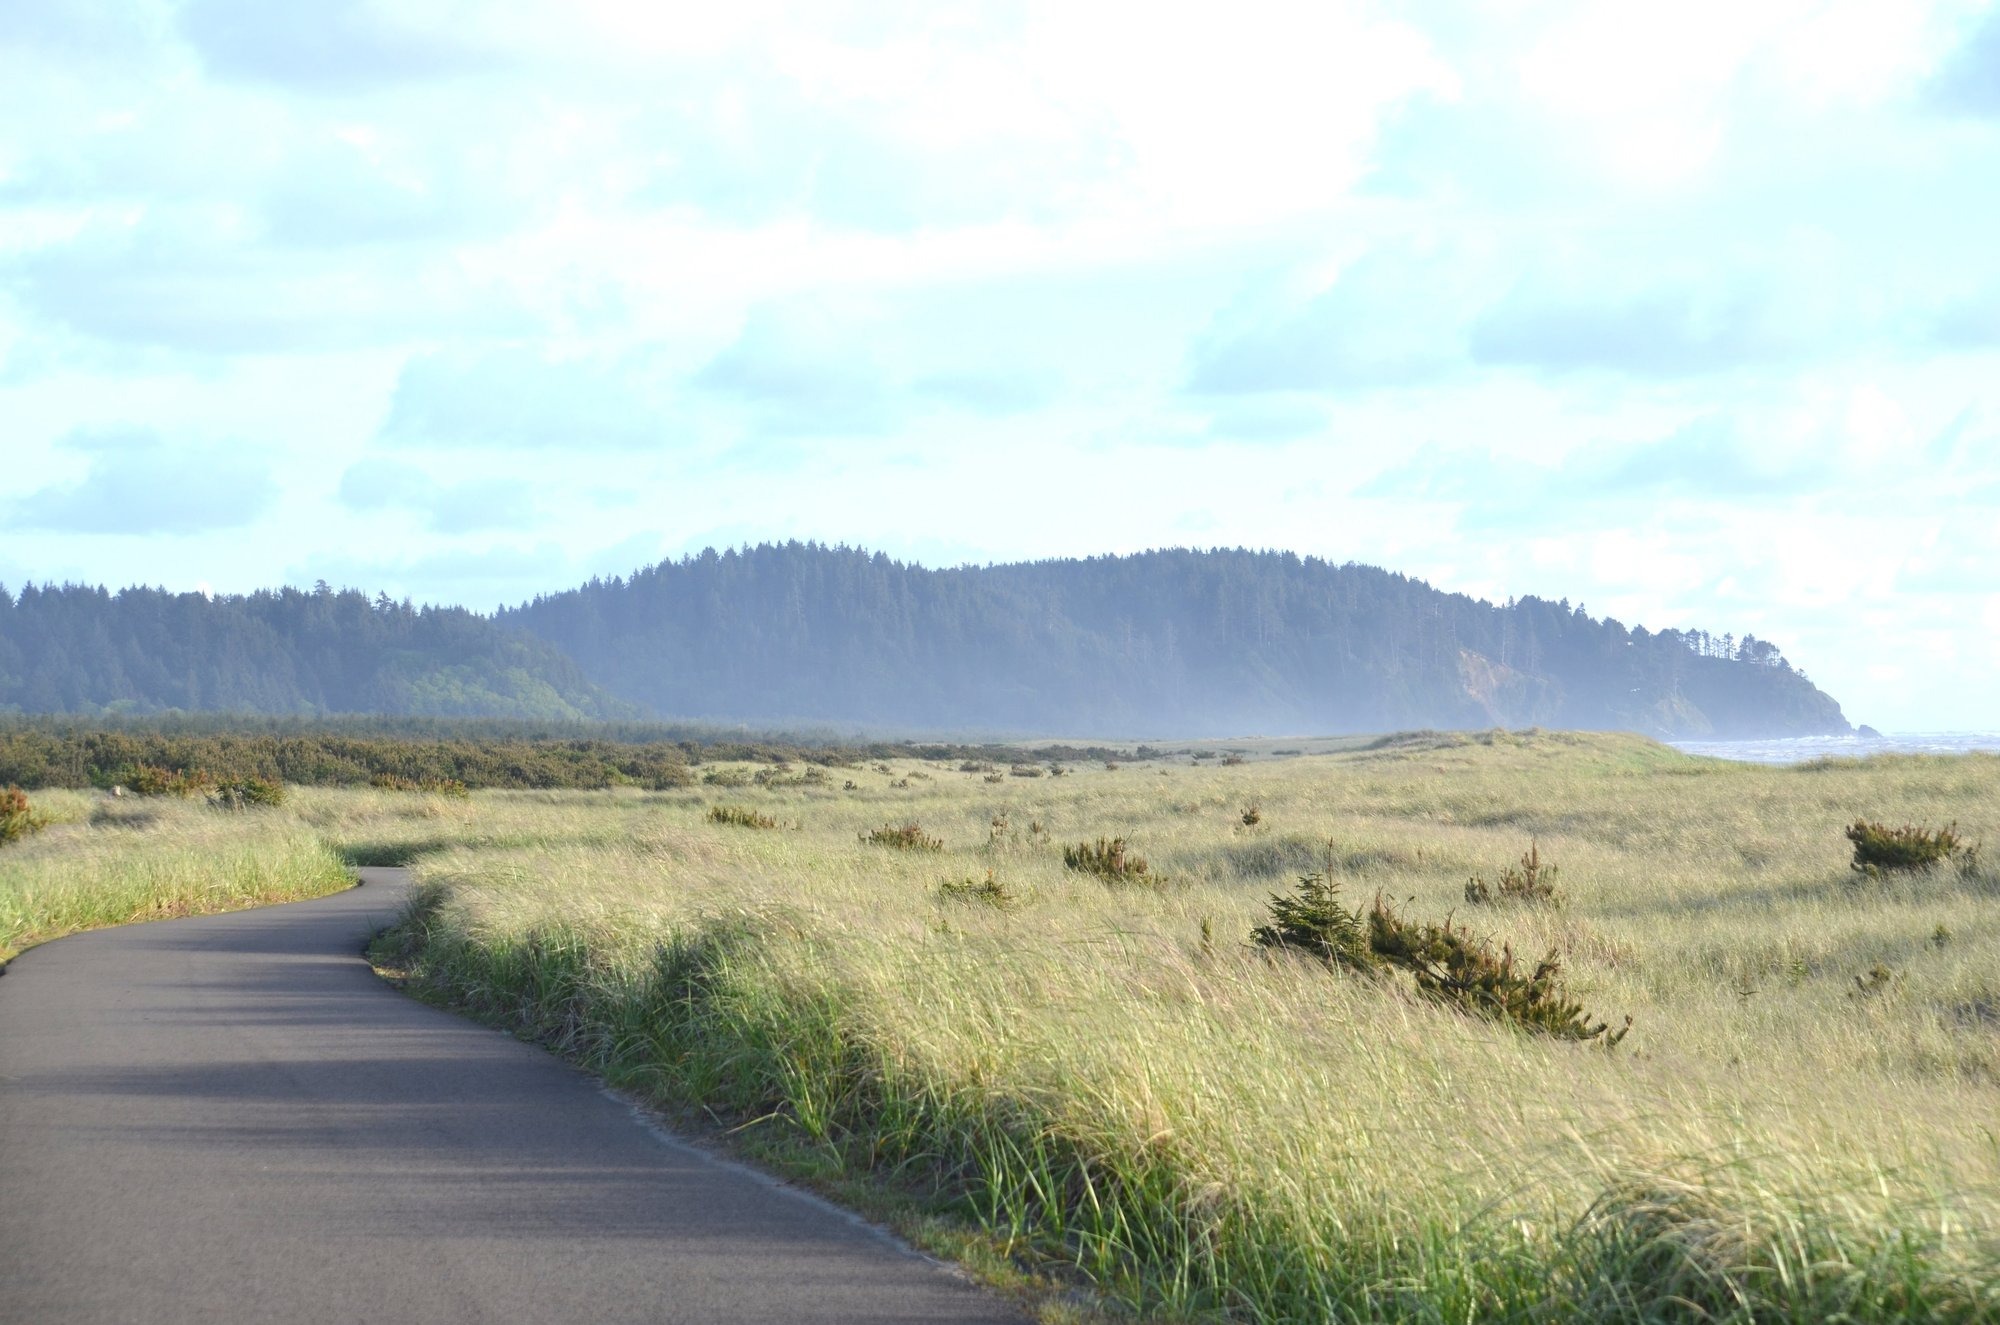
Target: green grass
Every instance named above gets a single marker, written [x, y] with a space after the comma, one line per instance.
[1114, 1083]
[104, 862]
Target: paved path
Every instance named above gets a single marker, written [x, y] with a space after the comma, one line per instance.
[232, 1119]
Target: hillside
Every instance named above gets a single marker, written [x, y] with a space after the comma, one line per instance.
[1173, 642]
[75, 649]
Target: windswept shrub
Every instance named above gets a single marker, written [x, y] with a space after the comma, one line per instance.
[247, 794]
[1462, 972]
[1533, 882]
[738, 816]
[1314, 922]
[1449, 965]
[906, 837]
[1879, 849]
[1024, 771]
[988, 891]
[1252, 816]
[1108, 859]
[17, 817]
[976, 766]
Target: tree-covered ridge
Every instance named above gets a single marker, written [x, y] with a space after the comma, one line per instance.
[1179, 641]
[79, 649]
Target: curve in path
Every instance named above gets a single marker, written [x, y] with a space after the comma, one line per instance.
[231, 1118]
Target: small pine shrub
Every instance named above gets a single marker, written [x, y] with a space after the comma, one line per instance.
[1454, 968]
[1879, 849]
[1448, 964]
[906, 837]
[1231, 760]
[1024, 771]
[996, 777]
[1313, 921]
[988, 891]
[1108, 860]
[17, 817]
[1877, 979]
[247, 794]
[1533, 882]
[976, 766]
[1252, 816]
[850, 785]
[738, 816]
[900, 784]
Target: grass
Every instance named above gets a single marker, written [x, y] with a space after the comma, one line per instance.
[1114, 1084]
[104, 862]
[1113, 1088]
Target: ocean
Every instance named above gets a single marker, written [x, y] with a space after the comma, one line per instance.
[1798, 749]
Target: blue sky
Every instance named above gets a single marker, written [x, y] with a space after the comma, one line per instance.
[1689, 313]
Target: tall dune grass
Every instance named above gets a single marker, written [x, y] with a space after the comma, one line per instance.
[104, 862]
[1111, 1078]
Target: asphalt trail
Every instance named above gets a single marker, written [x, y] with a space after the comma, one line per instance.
[231, 1118]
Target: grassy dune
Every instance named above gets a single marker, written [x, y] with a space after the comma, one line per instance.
[104, 862]
[1109, 1078]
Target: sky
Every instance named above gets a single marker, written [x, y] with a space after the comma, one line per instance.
[1689, 313]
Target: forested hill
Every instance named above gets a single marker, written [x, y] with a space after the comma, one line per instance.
[1170, 643]
[74, 649]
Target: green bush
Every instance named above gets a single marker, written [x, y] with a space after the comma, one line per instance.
[151, 780]
[988, 891]
[1315, 922]
[737, 816]
[17, 817]
[1108, 859]
[906, 837]
[1448, 965]
[1252, 816]
[1532, 882]
[247, 794]
[1879, 849]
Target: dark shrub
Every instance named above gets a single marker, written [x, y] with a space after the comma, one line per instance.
[989, 891]
[17, 817]
[907, 837]
[1532, 882]
[1316, 923]
[737, 816]
[1448, 964]
[1108, 859]
[247, 794]
[1879, 849]
[1252, 816]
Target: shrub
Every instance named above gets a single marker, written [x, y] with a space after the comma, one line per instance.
[738, 816]
[1316, 923]
[1454, 968]
[247, 794]
[976, 766]
[988, 891]
[17, 817]
[996, 777]
[1448, 964]
[1252, 816]
[1879, 849]
[149, 780]
[726, 777]
[1108, 859]
[1025, 771]
[850, 785]
[1532, 882]
[1232, 760]
[907, 837]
